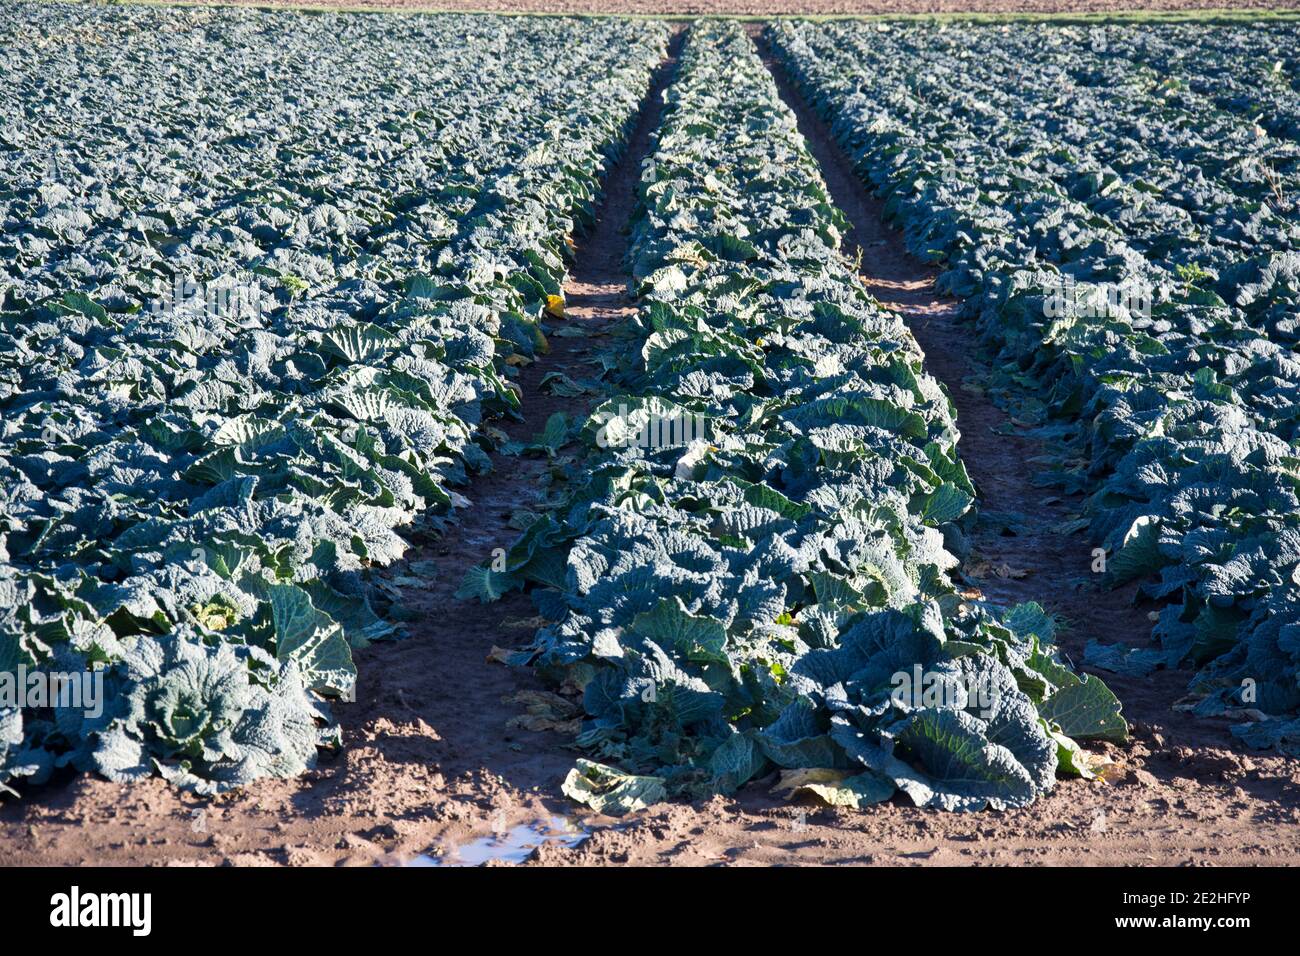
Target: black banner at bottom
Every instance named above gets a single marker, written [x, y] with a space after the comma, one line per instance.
[306, 906]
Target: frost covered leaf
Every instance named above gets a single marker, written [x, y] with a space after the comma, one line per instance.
[734, 763]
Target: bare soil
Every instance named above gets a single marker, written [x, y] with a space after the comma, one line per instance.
[437, 747]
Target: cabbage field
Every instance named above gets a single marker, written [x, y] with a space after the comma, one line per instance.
[742, 601]
[270, 282]
[1175, 164]
[189, 496]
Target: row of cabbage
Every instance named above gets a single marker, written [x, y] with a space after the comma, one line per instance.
[1041, 168]
[263, 277]
[752, 571]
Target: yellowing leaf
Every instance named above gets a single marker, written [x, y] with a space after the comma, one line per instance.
[499, 655]
[837, 788]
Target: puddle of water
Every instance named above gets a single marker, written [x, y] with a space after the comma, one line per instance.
[511, 846]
